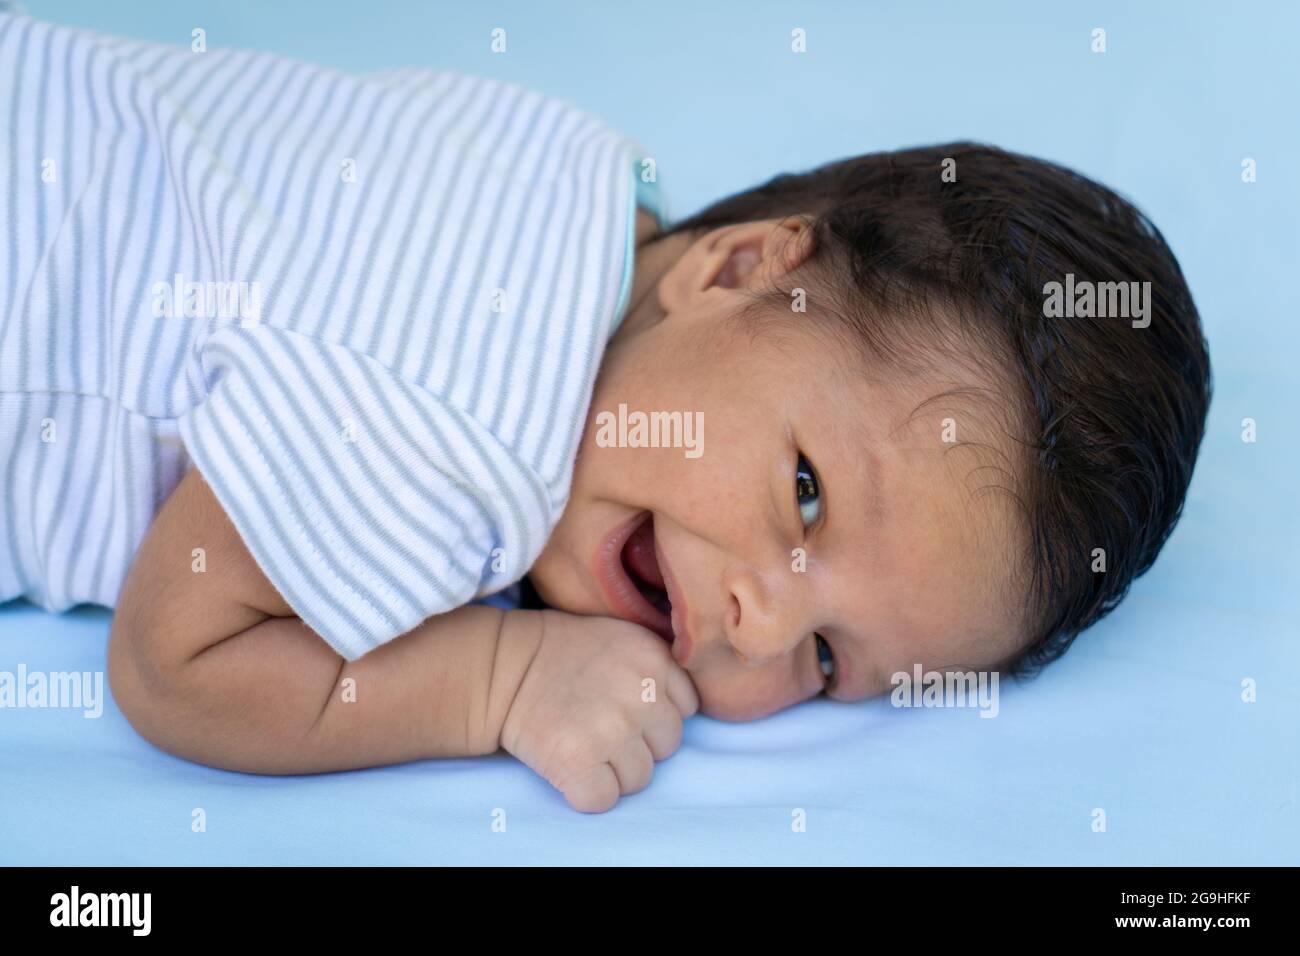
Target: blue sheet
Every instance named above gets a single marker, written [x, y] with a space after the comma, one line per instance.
[1143, 719]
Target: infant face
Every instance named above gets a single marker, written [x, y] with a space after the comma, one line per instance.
[820, 537]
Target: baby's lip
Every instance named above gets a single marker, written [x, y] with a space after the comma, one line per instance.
[621, 594]
[682, 645]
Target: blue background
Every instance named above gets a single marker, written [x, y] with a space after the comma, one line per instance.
[1143, 718]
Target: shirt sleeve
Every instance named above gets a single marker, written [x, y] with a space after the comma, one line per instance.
[369, 502]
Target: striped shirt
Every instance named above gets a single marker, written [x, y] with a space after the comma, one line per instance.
[370, 310]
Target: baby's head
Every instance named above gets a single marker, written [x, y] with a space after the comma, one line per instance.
[914, 449]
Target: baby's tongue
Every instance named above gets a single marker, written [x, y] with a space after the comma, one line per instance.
[639, 553]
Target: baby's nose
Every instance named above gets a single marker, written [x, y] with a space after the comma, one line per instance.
[764, 622]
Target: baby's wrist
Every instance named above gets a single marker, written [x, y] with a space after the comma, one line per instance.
[518, 640]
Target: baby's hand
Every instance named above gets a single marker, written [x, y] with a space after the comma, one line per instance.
[587, 717]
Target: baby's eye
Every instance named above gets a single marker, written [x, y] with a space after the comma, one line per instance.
[825, 658]
[807, 492]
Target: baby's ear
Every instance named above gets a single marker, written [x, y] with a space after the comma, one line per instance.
[755, 254]
[764, 253]
[740, 255]
[740, 265]
[794, 241]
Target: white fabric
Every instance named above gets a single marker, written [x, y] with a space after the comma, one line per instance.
[426, 269]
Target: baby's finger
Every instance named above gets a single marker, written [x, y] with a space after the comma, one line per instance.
[634, 765]
[593, 791]
[663, 734]
[681, 691]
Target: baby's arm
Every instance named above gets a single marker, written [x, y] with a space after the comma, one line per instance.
[214, 666]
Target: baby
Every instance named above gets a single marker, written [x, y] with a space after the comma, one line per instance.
[338, 390]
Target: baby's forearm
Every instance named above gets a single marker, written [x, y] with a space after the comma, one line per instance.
[275, 698]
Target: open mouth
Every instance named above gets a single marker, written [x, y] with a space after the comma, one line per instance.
[642, 566]
[633, 580]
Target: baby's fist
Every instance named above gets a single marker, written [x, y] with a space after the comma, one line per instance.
[602, 700]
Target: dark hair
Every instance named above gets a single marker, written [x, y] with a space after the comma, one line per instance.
[1111, 415]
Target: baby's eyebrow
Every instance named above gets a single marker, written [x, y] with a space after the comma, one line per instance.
[875, 503]
[833, 471]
